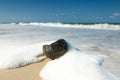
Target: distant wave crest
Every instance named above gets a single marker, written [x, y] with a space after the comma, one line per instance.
[105, 26]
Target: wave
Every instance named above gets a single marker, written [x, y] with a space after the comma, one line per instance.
[105, 26]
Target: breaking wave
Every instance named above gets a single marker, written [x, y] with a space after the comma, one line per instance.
[105, 26]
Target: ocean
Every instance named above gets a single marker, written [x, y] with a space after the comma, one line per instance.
[95, 38]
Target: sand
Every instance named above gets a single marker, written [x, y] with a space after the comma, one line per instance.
[29, 72]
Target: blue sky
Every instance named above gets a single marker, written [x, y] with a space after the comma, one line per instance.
[59, 10]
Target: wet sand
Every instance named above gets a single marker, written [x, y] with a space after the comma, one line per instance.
[29, 72]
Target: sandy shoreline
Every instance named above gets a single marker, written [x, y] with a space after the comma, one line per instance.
[29, 72]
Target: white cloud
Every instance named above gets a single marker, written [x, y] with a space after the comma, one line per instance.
[115, 15]
[99, 18]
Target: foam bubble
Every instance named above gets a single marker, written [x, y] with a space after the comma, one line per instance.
[13, 56]
[77, 65]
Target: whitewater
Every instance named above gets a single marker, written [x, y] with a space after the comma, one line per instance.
[67, 25]
[21, 43]
[77, 65]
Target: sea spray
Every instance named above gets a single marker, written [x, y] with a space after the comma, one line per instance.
[77, 65]
[13, 57]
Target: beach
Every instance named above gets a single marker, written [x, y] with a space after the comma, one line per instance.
[29, 72]
[60, 40]
[17, 37]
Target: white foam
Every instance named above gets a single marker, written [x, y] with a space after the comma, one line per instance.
[14, 56]
[77, 65]
[91, 26]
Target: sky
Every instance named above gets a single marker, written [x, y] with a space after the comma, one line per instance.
[60, 11]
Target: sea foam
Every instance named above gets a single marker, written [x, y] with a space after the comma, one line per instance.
[105, 26]
[77, 65]
[13, 56]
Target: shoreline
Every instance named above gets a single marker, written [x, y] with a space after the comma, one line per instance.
[29, 72]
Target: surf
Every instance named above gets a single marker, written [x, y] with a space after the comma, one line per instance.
[103, 26]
